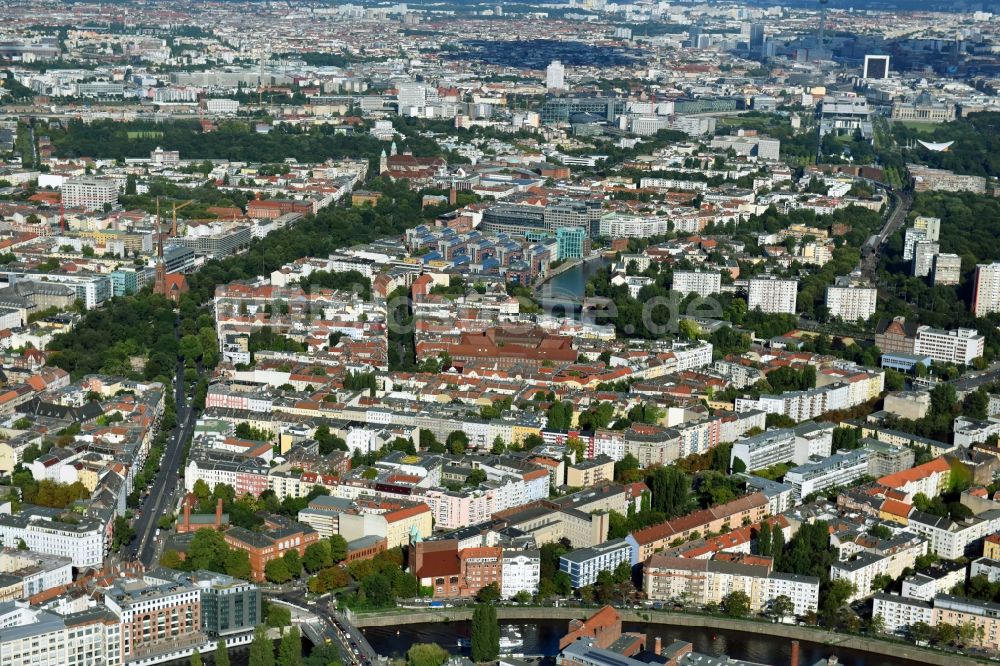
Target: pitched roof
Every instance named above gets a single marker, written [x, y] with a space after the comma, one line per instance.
[699, 518]
[936, 466]
[439, 563]
[896, 508]
[599, 621]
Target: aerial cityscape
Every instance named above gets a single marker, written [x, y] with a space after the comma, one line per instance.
[457, 333]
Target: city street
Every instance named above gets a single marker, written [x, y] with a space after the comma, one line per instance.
[872, 249]
[969, 382]
[168, 482]
[353, 645]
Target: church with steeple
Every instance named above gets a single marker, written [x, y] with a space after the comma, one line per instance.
[418, 170]
[171, 285]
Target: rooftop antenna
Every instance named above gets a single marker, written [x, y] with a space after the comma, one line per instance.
[265, 52]
[821, 33]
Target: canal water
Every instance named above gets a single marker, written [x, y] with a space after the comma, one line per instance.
[542, 638]
[563, 294]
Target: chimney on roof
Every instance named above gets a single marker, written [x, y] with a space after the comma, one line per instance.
[795, 653]
[187, 515]
[657, 646]
[218, 514]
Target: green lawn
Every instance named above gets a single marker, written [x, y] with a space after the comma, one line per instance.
[925, 128]
[740, 121]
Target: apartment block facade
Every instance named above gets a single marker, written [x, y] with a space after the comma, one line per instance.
[705, 581]
[89, 193]
[772, 295]
[584, 564]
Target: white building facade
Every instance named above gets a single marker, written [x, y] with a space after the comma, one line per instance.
[521, 571]
[89, 193]
[703, 283]
[851, 303]
[960, 346]
[772, 295]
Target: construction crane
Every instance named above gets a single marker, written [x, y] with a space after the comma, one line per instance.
[159, 234]
[173, 227]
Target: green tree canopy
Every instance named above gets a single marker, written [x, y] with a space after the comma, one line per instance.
[261, 648]
[290, 648]
[485, 633]
[736, 604]
[426, 654]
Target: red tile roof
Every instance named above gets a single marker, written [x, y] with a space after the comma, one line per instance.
[440, 563]
[938, 465]
[896, 508]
